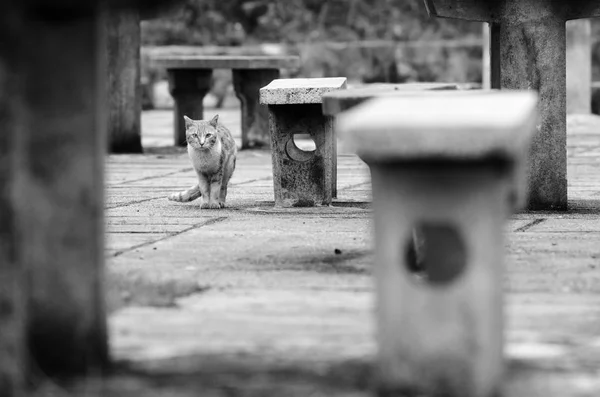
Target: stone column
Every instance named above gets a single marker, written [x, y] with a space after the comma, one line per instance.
[124, 89]
[255, 118]
[528, 51]
[188, 88]
[520, 37]
[61, 141]
[579, 66]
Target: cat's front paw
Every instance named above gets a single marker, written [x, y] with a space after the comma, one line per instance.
[210, 206]
[175, 197]
[221, 204]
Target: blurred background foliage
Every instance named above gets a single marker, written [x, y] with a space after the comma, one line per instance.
[364, 40]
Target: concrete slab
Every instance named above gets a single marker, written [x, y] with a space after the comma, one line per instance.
[299, 91]
[441, 124]
[198, 61]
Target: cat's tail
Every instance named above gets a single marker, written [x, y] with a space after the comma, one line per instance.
[185, 196]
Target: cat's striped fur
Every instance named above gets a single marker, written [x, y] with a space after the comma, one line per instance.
[213, 152]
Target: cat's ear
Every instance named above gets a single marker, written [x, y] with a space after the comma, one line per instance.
[188, 122]
[214, 120]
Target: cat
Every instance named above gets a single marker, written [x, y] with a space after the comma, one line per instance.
[212, 151]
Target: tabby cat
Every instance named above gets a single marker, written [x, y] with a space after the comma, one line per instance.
[213, 153]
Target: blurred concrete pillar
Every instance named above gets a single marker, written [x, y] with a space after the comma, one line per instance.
[124, 86]
[579, 66]
[486, 75]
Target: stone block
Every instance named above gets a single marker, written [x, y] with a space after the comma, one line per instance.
[335, 102]
[528, 51]
[302, 178]
[442, 163]
[299, 91]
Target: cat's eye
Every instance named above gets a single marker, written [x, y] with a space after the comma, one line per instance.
[208, 134]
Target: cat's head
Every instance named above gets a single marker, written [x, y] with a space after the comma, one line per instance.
[201, 134]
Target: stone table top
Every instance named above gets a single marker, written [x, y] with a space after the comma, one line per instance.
[198, 61]
[338, 101]
[299, 91]
[441, 125]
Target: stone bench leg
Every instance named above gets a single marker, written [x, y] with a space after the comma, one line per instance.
[302, 178]
[434, 323]
[12, 272]
[188, 88]
[255, 118]
[124, 88]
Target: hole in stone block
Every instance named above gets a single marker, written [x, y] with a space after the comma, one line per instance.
[435, 253]
[301, 147]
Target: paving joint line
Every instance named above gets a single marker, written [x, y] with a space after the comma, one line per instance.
[127, 204]
[151, 177]
[209, 222]
[531, 224]
[251, 180]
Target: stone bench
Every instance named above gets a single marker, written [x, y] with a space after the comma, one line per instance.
[338, 101]
[190, 80]
[528, 51]
[302, 178]
[442, 163]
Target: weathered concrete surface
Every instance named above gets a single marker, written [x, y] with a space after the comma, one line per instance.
[123, 81]
[60, 139]
[302, 178]
[13, 302]
[445, 125]
[299, 91]
[528, 51]
[579, 66]
[190, 61]
[335, 102]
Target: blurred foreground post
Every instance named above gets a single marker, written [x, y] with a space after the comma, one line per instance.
[124, 87]
[61, 142]
[444, 164]
[12, 274]
[528, 52]
[52, 146]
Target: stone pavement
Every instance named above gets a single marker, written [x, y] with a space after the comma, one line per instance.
[253, 301]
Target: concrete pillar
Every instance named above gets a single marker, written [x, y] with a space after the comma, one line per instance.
[486, 79]
[124, 86]
[12, 273]
[528, 51]
[579, 66]
[61, 141]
